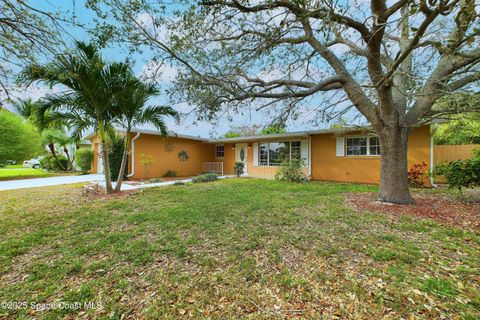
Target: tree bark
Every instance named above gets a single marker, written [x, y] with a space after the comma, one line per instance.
[51, 146]
[394, 187]
[106, 164]
[123, 165]
[70, 162]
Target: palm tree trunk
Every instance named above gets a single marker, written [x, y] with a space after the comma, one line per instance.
[106, 164]
[70, 162]
[123, 165]
[51, 146]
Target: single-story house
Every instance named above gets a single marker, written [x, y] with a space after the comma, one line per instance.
[345, 155]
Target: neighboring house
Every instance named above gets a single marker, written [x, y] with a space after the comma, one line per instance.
[346, 155]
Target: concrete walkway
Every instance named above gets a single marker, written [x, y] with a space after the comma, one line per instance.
[89, 178]
[45, 182]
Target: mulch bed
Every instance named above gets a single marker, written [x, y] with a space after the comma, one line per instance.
[441, 208]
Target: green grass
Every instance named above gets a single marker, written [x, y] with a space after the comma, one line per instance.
[17, 172]
[231, 249]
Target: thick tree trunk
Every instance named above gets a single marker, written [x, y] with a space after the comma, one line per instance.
[394, 186]
[123, 165]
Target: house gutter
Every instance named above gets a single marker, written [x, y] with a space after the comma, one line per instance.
[432, 184]
[133, 155]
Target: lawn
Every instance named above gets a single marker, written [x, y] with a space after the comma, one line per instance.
[230, 249]
[17, 172]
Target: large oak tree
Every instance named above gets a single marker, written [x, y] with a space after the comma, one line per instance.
[390, 61]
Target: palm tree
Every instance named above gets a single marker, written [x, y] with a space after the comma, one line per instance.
[29, 110]
[25, 108]
[91, 85]
[130, 111]
[49, 138]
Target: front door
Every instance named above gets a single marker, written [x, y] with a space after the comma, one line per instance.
[241, 154]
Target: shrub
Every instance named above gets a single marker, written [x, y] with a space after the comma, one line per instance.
[291, 171]
[49, 163]
[460, 173]
[416, 174]
[238, 168]
[146, 161]
[153, 180]
[115, 154]
[205, 177]
[84, 159]
[20, 139]
[170, 174]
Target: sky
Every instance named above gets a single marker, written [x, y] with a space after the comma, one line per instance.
[187, 125]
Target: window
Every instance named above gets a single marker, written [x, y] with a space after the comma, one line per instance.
[357, 146]
[362, 146]
[374, 146]
[278, 152]
[295, 150]
[274, 153]
[263, 154]
[219, 151]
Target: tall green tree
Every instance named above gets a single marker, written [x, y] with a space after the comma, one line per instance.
[463, 130]
[28, 33]
[131, 111]
[20, 140]
[90, 87]
[389, 61]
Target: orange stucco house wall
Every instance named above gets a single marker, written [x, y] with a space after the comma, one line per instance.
[164, 154]
[323, 161]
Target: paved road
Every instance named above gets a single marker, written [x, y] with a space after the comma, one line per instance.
[45, 182]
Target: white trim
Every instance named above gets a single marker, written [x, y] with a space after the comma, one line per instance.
[310, 155]
[289, 150]
[255, 154]
[340, 147]
[368, 136]
[237, 147]
[100, 160]
[304, 152]
[170, 134]
[132, 155]
[432, 184]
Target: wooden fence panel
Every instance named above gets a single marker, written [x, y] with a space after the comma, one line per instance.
[448, 153]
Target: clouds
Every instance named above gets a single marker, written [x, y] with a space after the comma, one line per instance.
[160, 72]
[34, 92]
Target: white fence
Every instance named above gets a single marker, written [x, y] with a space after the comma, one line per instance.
[213, 167]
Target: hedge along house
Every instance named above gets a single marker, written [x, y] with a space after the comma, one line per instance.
[344, 155]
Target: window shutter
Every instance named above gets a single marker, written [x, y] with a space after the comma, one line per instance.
[340, 146]
[255, 154]
[304, 152]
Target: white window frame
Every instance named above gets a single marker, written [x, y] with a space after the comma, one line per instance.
[216, 151]
[268, 152]
[368, 146]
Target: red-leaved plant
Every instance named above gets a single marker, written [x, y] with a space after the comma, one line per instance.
[416, 174]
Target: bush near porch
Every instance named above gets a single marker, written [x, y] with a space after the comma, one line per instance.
[229, 249]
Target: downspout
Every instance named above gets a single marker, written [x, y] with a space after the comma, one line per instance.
[132, 155]
[432, 184]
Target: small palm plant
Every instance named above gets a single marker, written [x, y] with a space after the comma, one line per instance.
[87, 102]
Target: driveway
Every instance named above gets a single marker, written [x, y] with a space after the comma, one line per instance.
[45, 182]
